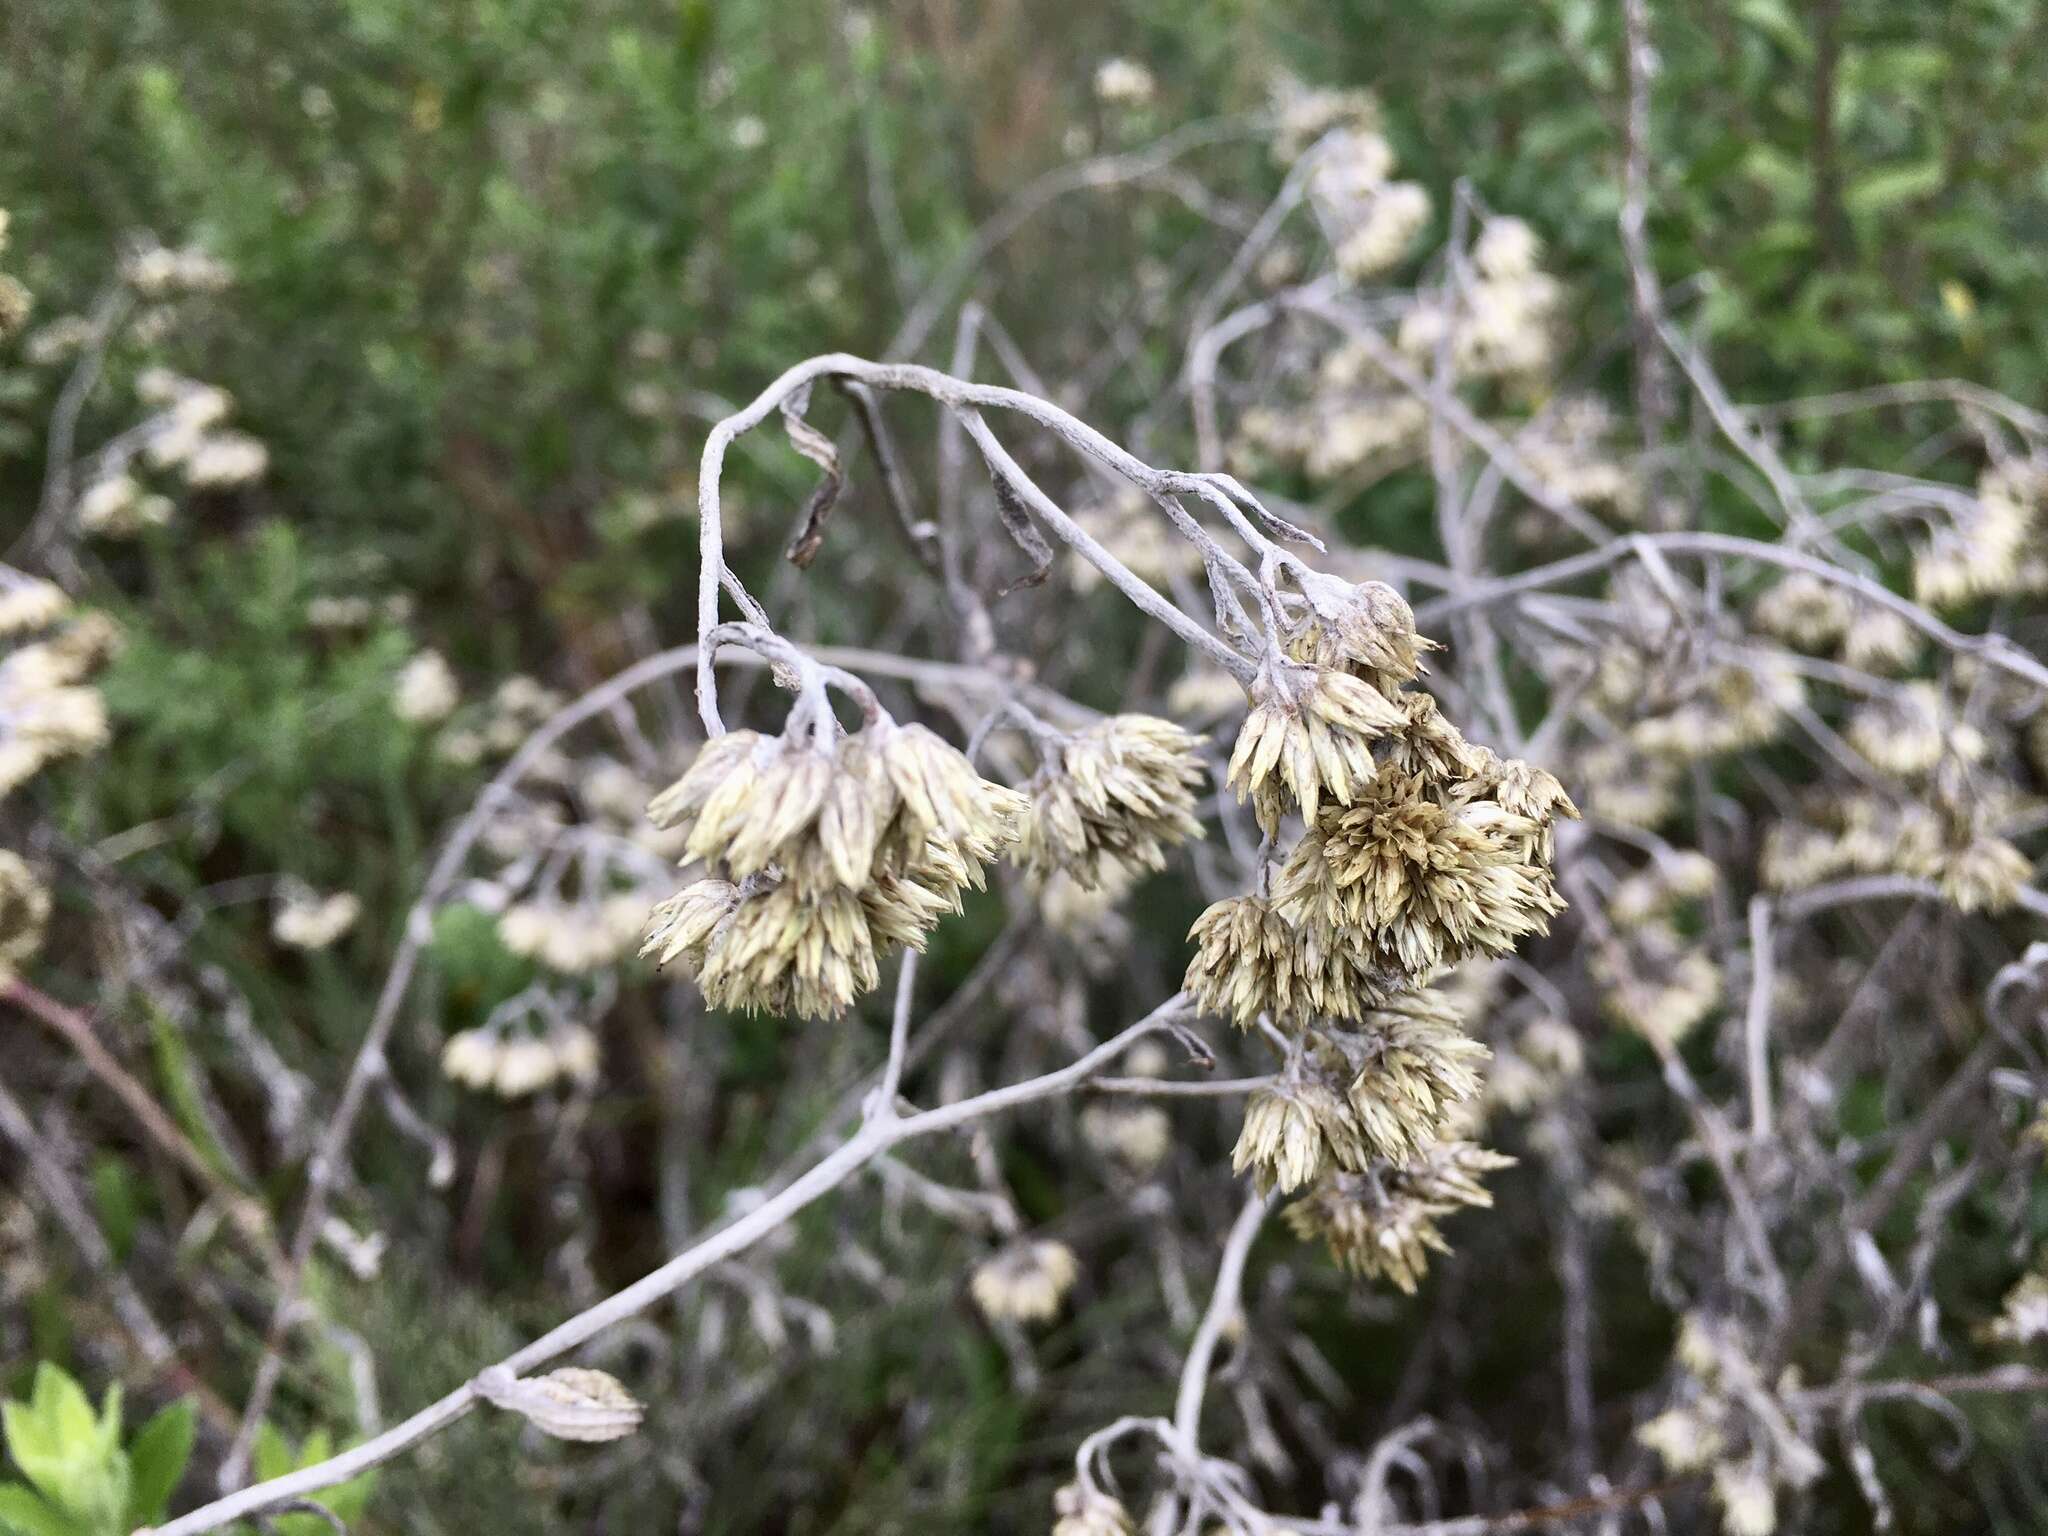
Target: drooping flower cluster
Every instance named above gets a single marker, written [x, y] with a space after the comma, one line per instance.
[829, 856]
[1420, 850]
[1110, 800]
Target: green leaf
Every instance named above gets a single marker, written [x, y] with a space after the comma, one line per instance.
[1880, 190]
[273, 1456]
[71, 1454]
[23, 1514]
[119, 1208]
[156, 1461]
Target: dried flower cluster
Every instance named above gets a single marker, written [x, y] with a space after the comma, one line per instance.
[1420, 850]
[1728, 1420]
[1382, 1224]
[829, 856]
[47, 710]
[1026, 1282]
[24, 913]
[1082, 1511]
[1110, 800]
[305, 920]
[511, 1059]
[16, 302]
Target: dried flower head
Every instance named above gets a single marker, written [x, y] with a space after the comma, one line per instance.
[512, 1062]
[1367, 629]
[1658, 983]
[44, 715]
[2024, 1316]
[1879, 640]
[1123, 82]
[1384, 1223]
[1686, 1439]
[1088, 1512]
[1027, 1282]
[1420, 878]
[28, 603]
[1748, 1499]
[1907, 733]
[24, 913]
[1309, 733]
[1137, 1135]
[425, 690]
[1295, 1130]
[305, 920]
[887, 800]
[1411, 1065]
[839, 855]
[575, 937]
[1804, 611]
[1111, 799]
[16, 305]
[1251, 960]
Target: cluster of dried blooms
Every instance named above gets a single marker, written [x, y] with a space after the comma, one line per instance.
[48, 709]
[1420, 849]
[16, 302]
[307, 920]
[822, 851]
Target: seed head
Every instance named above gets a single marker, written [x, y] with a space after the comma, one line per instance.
[839, 854]
[307, 921]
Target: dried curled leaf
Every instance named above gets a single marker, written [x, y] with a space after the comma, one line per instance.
[572, 1403]
[818, 448]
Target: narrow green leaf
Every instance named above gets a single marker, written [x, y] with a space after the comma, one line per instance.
[157, 1460]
